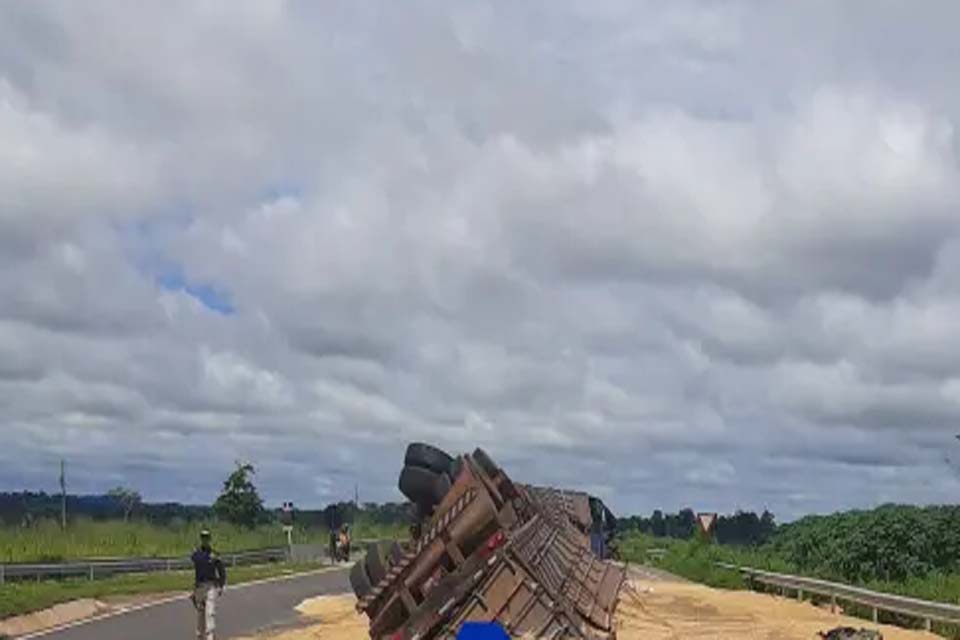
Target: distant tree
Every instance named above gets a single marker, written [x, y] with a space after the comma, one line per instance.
[128, 499]
[339, 514]
[239, 501]
[767, 526]
[743, 527]
[657, 525]
[687, 523]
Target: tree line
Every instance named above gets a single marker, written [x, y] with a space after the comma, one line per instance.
[741, 527]
[22, 508]
[890, 543]
[238, 502]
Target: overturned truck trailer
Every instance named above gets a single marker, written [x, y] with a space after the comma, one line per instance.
[487, 549]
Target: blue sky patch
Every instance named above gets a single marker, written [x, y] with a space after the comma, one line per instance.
[208, 295]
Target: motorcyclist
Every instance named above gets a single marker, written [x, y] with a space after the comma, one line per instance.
[345, 543]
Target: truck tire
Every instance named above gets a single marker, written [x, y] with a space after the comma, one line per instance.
[428, 457]
[486, 463]
[455, 468]
[359, 580]
[442, 486]
[423, 487]
[376, 562]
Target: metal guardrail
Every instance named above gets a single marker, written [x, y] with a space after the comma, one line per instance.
[105, 567]
[93, 569]
[922, 609]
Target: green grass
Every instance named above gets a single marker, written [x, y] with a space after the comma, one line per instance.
[691, 559]
[373, 531]
[45, 542]
[17, 598]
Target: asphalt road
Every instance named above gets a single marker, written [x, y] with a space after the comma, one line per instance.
[243, 610]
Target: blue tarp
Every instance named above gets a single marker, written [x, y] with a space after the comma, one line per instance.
[482, 631]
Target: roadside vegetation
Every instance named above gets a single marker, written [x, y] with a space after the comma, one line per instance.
[695, 559]
[906, 550]
[893, 543]
[119, 524]
[44, 541]
[898, 545]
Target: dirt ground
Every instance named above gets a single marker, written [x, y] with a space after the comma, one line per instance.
[657, 610]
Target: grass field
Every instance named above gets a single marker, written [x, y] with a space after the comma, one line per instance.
[371, 531]
[23, 597]
[45, 542]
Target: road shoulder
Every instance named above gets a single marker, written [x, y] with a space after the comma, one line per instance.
[83, 610]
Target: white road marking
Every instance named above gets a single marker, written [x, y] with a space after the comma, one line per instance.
[156, 603]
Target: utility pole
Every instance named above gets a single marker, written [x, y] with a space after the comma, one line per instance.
[356, 495]
[63, 495]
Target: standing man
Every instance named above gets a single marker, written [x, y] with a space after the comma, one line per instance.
[334, 547]
[210, 577]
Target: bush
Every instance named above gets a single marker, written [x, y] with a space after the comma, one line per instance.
[891, 543]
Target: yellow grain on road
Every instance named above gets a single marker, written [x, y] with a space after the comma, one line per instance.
[330, 618]
[663, 610]
[658, 610]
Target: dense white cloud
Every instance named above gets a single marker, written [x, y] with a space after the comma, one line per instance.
[676, 254]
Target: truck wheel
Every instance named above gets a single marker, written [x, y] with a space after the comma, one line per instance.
[376, 562]
[486, 463]
[428, 457]
[423, 487]
[359, 580]
[455, 468]
[442, 487]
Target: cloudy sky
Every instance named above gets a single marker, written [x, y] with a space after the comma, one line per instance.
[674, 253]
